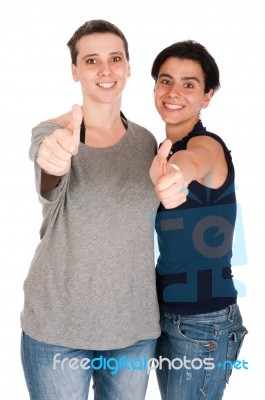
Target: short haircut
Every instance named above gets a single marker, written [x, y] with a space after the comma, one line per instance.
[95, 26]
[190, 50]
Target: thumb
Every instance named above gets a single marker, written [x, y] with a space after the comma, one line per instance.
[165, 149]
[160, 161]
[77, 117]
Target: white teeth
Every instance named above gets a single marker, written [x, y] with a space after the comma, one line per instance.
[173, 106]
[106, 85]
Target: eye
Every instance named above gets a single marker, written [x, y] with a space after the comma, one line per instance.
[91, 61]
[189, 85]
[165, 82]
[116, 59]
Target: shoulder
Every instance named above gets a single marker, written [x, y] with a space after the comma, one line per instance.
[200, 133]
[204, 140]
[201, 136]
[213, 144]
[142, 133]
[212, 139]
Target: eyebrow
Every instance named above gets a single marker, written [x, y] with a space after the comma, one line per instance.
[190, 78]
[185, 78]
[118, 53]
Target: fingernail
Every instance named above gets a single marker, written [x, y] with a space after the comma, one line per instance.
[185, 191]
[175, 167]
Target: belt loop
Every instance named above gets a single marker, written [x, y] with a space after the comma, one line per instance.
[231, 313]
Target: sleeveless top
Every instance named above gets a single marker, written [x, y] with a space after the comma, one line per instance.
[195, 244]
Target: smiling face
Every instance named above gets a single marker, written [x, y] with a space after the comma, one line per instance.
[179, 93]
[101, 67]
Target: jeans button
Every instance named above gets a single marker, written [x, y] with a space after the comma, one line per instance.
[211, 346]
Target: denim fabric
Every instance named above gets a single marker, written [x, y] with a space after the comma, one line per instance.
[217, 336]
[67, 376]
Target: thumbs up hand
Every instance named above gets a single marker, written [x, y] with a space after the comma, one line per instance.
[57, 149]
[169, 182]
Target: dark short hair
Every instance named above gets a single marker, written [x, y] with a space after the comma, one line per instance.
[190, 50]
[95, 26]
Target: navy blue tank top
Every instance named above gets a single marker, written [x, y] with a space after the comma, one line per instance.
[195, 244]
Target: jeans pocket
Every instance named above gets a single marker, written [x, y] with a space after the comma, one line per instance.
[235, 342]
[200, 334]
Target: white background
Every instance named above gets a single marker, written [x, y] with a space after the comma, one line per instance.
[36, 84]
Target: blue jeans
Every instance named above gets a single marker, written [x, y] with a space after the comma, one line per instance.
[199, 345]
[60, 373]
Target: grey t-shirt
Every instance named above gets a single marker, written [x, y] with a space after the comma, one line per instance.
[91, 283]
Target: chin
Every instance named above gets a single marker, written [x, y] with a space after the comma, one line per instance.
[169, 120]
[168, 117]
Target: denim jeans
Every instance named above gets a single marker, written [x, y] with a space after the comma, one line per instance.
[200, 345]
[60, 373]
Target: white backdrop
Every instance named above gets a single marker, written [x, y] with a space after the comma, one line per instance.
[36, 84]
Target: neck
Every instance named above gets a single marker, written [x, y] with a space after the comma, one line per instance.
[103, 124]
[176, 132]
[102, 115]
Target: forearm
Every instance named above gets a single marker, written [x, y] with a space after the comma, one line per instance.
[48, 182]
[186, 162]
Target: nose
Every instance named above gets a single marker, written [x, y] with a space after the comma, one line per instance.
[174, 91]
[105, 69]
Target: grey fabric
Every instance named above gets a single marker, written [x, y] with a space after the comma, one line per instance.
[91, 283]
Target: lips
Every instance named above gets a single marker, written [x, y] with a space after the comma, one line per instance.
[106, 85]
[173, 106]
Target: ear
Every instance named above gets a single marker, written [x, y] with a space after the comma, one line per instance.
[207, 98]
[74, 73]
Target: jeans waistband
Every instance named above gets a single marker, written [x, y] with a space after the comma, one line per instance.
[227, 313]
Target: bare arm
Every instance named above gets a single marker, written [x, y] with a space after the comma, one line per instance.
[203, 161]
